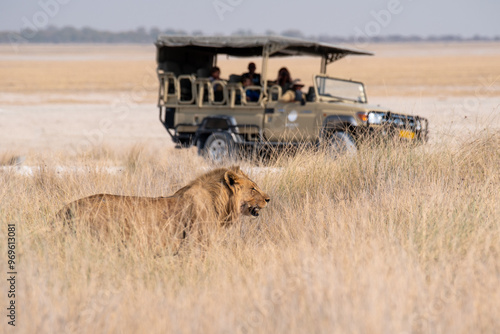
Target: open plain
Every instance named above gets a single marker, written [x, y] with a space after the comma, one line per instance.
[396, 239]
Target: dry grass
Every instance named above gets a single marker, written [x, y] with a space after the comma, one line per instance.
[392, 240]
[9, 158]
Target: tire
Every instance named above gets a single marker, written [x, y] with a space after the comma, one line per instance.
[341, 143]
[219, 147]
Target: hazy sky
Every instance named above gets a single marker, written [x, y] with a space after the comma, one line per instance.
[340, 18]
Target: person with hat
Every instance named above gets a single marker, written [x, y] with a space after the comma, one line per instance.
[294, 94]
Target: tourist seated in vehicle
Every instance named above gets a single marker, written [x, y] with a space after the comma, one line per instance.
[294, 94]
[284, 79]
[254, 77]
[218, 89]
[214, 74]
[252, 95]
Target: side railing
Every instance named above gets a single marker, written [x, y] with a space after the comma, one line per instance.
[186, 93]
[168, 87]
[186, 89]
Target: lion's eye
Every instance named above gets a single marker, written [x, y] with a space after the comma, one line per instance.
[253, 189]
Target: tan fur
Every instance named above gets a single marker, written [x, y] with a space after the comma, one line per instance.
[217, 198]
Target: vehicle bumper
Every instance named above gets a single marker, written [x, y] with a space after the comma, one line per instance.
[394, 126]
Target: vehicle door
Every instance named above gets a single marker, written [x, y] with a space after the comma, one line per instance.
[291, 122]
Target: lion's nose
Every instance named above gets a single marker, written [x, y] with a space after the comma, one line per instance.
[267, 200]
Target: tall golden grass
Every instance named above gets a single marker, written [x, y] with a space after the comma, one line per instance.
[395, 239]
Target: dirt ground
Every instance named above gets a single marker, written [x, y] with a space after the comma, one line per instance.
[69, 97]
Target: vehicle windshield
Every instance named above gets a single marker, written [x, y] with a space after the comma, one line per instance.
[341, 89]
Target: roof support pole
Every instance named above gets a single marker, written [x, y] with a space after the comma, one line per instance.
[322, 70]
[268, 50]
[263, 72]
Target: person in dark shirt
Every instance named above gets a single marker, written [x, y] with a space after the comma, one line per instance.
[254, 77]
[218, 90]
[284, 79]
[214, 74]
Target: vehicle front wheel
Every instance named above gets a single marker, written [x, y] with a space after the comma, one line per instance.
[340, 143]
[219, 147]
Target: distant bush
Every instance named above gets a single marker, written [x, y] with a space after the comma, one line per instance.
[140, 35]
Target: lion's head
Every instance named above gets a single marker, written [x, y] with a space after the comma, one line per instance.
[251, 198]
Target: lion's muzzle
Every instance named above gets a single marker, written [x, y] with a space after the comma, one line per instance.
[255, 210]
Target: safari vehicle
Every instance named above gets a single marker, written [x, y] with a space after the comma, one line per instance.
[335, 111]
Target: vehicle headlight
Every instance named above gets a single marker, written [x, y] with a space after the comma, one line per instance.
[374, 118]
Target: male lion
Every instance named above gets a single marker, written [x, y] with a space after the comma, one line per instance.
[217, 198]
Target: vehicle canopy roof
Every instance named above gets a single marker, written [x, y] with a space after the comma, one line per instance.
[197, 54]
[250, 46]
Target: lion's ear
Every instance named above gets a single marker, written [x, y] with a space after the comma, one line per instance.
[231, 179]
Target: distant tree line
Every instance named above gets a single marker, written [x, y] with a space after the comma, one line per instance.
[53, 34]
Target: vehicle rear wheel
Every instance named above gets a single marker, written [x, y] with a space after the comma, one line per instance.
[219, 147]
[341, 142]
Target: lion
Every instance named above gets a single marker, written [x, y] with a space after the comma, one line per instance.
[215, 199]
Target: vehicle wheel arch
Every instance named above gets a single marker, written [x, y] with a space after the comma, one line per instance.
[336, 123]
[219, 146]
[214, 124]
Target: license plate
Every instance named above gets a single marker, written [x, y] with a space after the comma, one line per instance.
[406, 134]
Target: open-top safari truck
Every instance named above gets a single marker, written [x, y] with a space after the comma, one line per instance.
[216, 116]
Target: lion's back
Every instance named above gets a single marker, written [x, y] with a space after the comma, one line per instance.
[101, 210]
